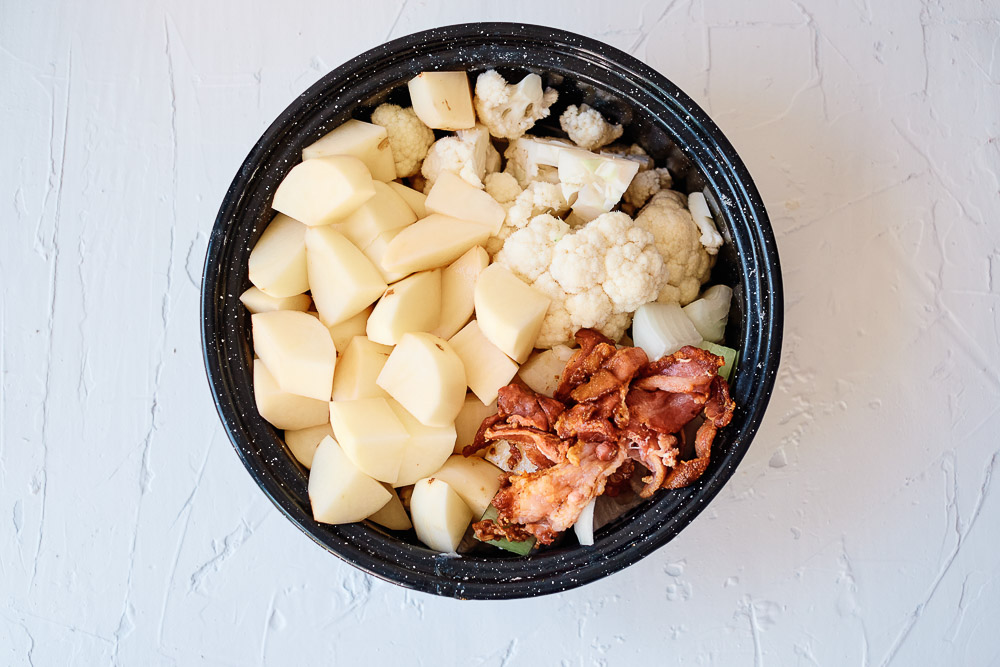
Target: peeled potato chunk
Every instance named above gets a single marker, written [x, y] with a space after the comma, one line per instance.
[542, 371]
[442, 100]
[338, 491]
[469, 419]
[458, 285]
[371, 436]
[384, 212]
[426, 450]
[440, 516]
[472, 478]
[365, 141]
[298, 351]
[425, 375]
[509, 312]
[412, 304]
[487, 368]
[343, 281]
[357, 369]
[284, 410]
[393, 514]
[432, 242]
[258, 302]
[325, 189]
[278, 261]
[304, 441]
[451, 195]
[376, 251]
[344, 332]
[415, 200]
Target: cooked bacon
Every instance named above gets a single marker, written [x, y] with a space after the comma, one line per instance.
[548, 445]
[618, 481]
[656, 451]
[580, 422]
[528, 408]
[660, 411]
[595, 349]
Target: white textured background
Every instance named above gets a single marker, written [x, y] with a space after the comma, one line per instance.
[861, 529]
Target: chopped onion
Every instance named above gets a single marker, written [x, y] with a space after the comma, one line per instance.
[710, 236]
[710, 313]
[663, 328]
[584, 526]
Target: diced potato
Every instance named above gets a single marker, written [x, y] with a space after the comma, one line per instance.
[443, 100]
[509, 311]
[451, 195]
[432, 242]
[365, 141]
[542, 371]
[338, 491]
[415, 200]
[297, 350]
[469, 420]
[344, 332]
[322, 190]
[412, 304]
[384, 212]
[487, 368]
[472, 478]
[440, 516]
[376, 251]
[357, 369]
[371, 436]
[426, 450]
[392, 515]
[343, 281]
[425, 375]
[284, 410]
[258, 302]
[458, 285]
[304, 441]
[278, 261]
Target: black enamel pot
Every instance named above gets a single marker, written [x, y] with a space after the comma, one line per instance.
[657, 115]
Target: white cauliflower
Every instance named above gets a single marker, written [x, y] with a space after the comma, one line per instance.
[587, 128]
[469, 153]
[630, 152]
[532, 159]
[510, 110]
[645, 185]
[534, 200]
[596, 275]
[503, 187]
[678, 239]
[409, 138]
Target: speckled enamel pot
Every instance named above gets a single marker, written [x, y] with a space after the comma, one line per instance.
[672, 128]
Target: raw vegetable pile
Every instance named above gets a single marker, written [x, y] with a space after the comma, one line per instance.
[440, 256]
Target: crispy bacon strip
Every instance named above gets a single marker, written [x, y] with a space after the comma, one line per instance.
[595, 349]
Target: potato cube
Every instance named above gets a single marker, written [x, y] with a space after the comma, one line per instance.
[376, 251]
[442, 100]
[320, 191]
[451, 195]
[258, 302]
[509, 312]
[304, 441]
[357, 369]
[344, 332]
[458, 285]
[432, 242]
[343, 281]
[543, 370]
[426, 450]
[371, 436]
[393, 514]
[425, 375]
[474, 479]
[469, 419]
[415, 200]
[281, 409]
[278, 261]
[440, 516]
[487, 368]
[297, 350]
[384, 212]
[365, 141]
[338, 491]
[412, 304]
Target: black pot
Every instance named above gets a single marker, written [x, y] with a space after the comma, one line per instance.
[658, 115]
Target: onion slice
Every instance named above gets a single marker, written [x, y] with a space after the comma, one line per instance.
[710, 313]
[584, 526]
[663, 328]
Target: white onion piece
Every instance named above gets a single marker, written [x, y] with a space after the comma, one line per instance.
[710, 313]
[663, 328]
[584, 526]
[710, 236]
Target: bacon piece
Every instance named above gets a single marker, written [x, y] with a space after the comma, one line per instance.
[527, 408]
[595, 349]
[660, 411]
[657, 451]
[548, 445]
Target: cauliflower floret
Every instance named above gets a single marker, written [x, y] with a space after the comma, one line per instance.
[587, 128]
[503, 187]
[633, 152]
[409, 138]
[557, 327]
[678, 239]
[528, 251]
[635, 271]
[469, 153]
[534, 200]
[522, 166]
[510, 110]
[645, 185]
